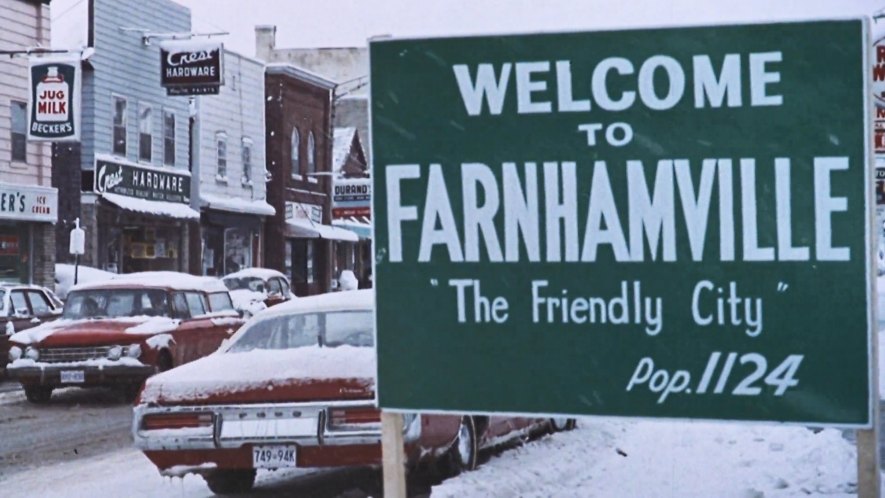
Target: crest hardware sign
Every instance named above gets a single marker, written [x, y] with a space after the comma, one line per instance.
[191, 67]
[678, 227]
[140, 182]
[54, 100]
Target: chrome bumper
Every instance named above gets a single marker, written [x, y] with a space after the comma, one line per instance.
[233, 426]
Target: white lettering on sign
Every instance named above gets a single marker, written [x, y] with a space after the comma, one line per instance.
[176, 59]
[648, 220]
[485, 87]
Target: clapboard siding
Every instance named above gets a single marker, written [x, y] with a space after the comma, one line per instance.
[124, 66]
[238, 111]
[19, 21]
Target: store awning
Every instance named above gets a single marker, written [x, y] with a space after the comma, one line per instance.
[306, 229]
[155, 208]
[359, 225]
[236, 205]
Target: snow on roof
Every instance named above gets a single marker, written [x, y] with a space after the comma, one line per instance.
[342, 142]
[159, 208]
[363, 299]
[238, 372]
[262, 273]
[294, 71]
[260, 207]
[167, 279]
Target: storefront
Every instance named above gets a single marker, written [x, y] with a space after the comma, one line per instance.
[231, 234]
[351, 210]
[141, 217]
[27, 215]
[307, 245]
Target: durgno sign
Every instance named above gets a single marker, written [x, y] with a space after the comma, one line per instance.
[54, 100]
[190, 67]
[657, 223]
[141, 182]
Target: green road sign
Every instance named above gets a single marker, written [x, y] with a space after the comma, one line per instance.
[654, 223]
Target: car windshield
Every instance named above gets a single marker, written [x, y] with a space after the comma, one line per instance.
[248, 283]
[115, 303]
[332, 329]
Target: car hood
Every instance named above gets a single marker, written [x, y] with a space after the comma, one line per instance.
[267, 376]
[66, 332]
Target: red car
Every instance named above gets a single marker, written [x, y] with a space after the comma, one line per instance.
[120, 331]
[23, 307]
[295, 388]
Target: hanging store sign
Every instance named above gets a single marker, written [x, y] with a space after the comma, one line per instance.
[28, 203]
[351, 197]
[54, 100]
[190, 67]
[151, 184]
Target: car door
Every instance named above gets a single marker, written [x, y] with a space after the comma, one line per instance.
[274, 292]
[201, 335]
[20, 314]
[41, 306]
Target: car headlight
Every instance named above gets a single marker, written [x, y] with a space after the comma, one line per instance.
[115, 352]
[133, 351]
[31, 353]
[15, 353]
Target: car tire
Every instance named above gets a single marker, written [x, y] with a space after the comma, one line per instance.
[38, 394]
[228, 482]
[463, 454]
[558, 424]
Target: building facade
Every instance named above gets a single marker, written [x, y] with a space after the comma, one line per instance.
[129, 181]
[28, 202]
[299, 237]
[230, 173]
[352, 205]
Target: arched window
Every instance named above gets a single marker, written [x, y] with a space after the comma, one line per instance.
[296, 154]
[311, 154]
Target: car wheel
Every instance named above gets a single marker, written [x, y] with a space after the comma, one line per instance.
[226, 482]
[38, 394]
[462, 456]
[560, 424]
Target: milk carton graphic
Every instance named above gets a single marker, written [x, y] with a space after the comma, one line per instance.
[52, 97]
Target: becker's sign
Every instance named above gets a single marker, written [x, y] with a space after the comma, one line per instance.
[54, 101]
[656, 223]
[191, 67]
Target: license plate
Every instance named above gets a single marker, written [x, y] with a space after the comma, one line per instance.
[273, 456]
[72, 377]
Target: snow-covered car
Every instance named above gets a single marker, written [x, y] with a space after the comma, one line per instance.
[24, 307]
[254, 289]
[118, 332]
[295, 387]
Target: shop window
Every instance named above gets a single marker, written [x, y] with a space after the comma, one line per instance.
[296, 154]
[237, 249]
[311, 157]
[169, 138]
[120, 121]
[19, 131]
[221, 154]
[247, 161]
[145, 136]
[14, 254]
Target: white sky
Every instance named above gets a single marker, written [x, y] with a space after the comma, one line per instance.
[339, 23]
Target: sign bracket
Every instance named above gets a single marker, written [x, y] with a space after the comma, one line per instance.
[147, 35]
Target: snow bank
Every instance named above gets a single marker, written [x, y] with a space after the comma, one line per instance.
[64, 277]
[239, 372]
[608, 457]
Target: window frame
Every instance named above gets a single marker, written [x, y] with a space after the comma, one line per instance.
[21, 135]
[124, 125]
[311, 158]
[247, 144]
[168, 139]
[295, 154]
[221, 156]
[144, 108]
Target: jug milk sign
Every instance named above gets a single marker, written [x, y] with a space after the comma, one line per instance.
[651, 223]
[54, 101]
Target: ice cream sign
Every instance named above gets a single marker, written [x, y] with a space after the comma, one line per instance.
[54, 102]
